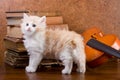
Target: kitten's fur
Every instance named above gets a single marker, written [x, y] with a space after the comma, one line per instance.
[64, 45]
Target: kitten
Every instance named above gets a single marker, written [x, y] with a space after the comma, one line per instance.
[64, 45]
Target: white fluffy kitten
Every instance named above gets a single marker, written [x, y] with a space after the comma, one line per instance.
[64, 45]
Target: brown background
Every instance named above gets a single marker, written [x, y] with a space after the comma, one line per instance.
[78, 14]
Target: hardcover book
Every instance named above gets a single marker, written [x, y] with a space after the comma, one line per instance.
[14, 44]
[21, 59]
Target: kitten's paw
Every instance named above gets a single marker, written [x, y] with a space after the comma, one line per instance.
[81, 70]
[66, 71]
[30, 69]
[78, 70]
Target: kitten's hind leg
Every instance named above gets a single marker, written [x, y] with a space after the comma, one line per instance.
[67, 60]
[34, 61]
[81, 66]
[80, 60]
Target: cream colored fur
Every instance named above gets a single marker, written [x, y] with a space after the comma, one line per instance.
[64, 45]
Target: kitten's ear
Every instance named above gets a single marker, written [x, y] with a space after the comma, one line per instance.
[43, 19]
[25, 16]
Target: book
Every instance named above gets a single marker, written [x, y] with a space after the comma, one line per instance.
[14, 17]
[54, 20]
[43, 13]
[59, 26]
[49, 20]
[14, 21]
[14, 44]
[17, 54]
[19, 14]
[7, 61]
[15, 31]
[14, 59]
[10, 14]
[17, 11]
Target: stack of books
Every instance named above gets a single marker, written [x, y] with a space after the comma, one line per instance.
[16, 54]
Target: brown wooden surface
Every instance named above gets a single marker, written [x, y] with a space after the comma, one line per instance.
[108, 71]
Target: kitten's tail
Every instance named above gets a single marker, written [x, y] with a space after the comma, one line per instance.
[79, 54]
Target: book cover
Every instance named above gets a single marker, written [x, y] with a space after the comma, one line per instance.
[14, 59]
[19, 14]
[14, 31]
[22, 60]
[14, 21]
[14, 44]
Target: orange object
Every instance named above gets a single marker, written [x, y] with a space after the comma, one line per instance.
[91, 53]
[94, 56]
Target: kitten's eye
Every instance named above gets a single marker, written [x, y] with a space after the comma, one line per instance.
[34, 25]
[27, 24]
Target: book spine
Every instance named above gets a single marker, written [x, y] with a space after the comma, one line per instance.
[17, 11]
[48, 14]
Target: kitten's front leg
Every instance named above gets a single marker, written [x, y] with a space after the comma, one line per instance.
[34, 60]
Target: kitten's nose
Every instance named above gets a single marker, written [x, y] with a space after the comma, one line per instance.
[29, 29]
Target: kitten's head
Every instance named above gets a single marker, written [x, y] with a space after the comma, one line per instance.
[32, 24]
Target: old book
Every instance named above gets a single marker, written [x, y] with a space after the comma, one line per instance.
[15, 31]
[7, 61]
[19, 14]
[10, 14]
[17, 54]
[14, 21]
[54, 20]
[16, 59]
[61, 27]
[17, 11]
[49, 20]
[22, 60]
[14, 17]
[14, 44]
[24, 64]
[48, 14]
